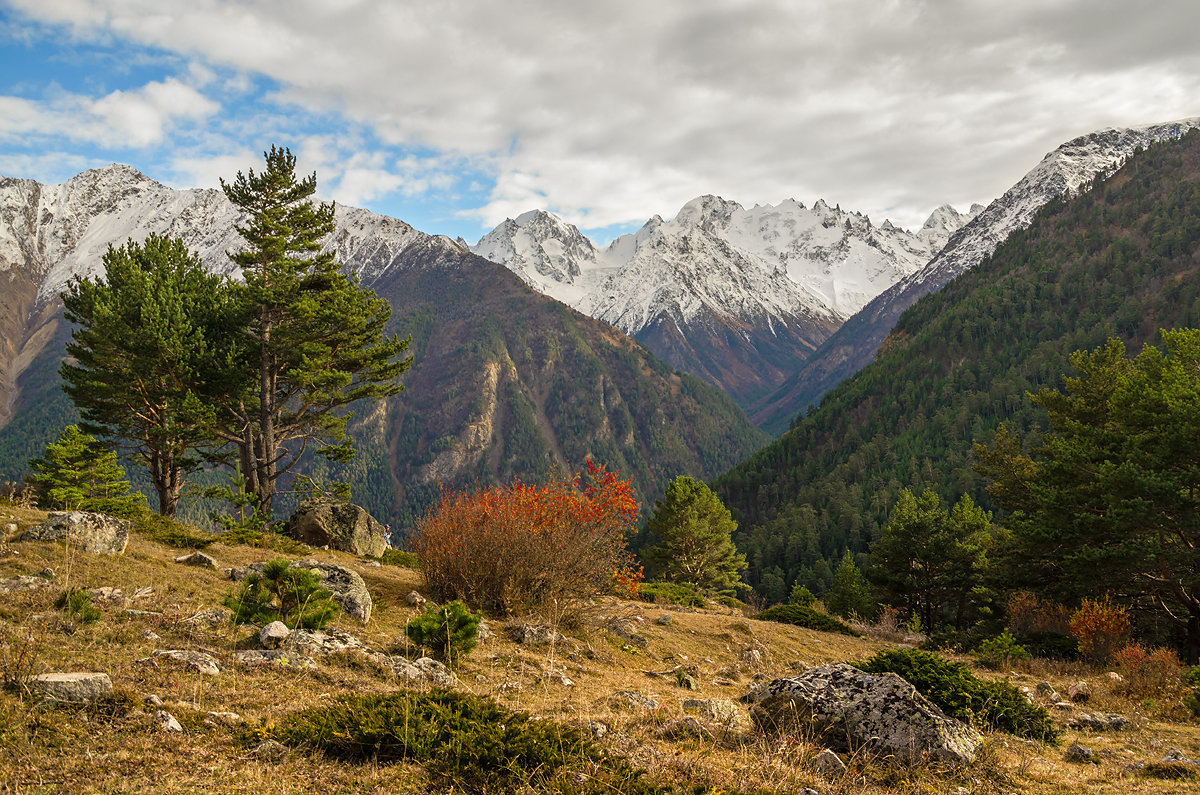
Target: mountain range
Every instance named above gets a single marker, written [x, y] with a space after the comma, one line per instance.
[506, 382]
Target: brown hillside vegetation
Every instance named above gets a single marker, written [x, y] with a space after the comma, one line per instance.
[117, 747]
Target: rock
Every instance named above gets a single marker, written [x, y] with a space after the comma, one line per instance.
[1099, 722]
[626, 630]
[664, 620]
[686, 729]
[592, 728]
[631, 699]
[533, 634]
[1080, 692]
[152, 701]
[435, 672]
[415, 599]
[341, 526]
[347, 587]
[273, 635]
[196, 661]
[717, 710]
[270, 751]
[320, 642]
[829, 764]
[1081, 754]
[222, 719]
[72, 688]
[483, 632]
[752, 657]
[557, 677]
[1176, 757]
[1114, 677]
[94, 533]
[23, 583]
[743, 627]
[150, 635]
[280, 657]
[1046, 691]
[854, 710]
[166, 721]
[197, 559]
[214, 618]
[687, 679]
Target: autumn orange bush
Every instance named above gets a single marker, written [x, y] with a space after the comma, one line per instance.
[1147, 670]
[1101, 628]
[519, 549]
[1028, 613]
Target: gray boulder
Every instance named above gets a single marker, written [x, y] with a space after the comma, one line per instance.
[533, 634]
[341, 526]
[196, 661]
[72, 688]
[94, 533]
[852, 710]
[273, 635]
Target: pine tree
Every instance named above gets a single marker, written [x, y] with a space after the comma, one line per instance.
[694, 531]
[315, 341]
[143, 371]
[77, 473]
[850, 596]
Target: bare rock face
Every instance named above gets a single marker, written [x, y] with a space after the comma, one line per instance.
[340, 526]
[852, 710]
[73, 688]
[94, 533]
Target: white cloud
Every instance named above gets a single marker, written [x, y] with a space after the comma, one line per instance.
[609, 112]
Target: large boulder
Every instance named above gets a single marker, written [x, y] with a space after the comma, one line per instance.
[851, 710]
[340, 526]
[94, 533]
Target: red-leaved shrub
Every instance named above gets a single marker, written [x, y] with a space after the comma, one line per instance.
[1028, 613]
[1147, 670]
[1101, 628]
[519, 548]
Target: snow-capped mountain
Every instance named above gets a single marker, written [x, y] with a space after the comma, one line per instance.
[1070, 167]
[55, 232]
[718, 285]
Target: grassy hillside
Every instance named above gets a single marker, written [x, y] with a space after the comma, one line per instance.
[1120, 260]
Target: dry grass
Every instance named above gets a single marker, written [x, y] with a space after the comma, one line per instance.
[119, 749]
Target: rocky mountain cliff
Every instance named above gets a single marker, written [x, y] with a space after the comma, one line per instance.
[506, 382]
[737, 296]
[1070, 167]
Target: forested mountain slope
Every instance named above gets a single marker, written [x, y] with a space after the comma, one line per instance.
[1122, 259]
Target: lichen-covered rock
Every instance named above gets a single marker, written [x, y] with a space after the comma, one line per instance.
[631, 699]
[341, 526]
[196, 661]
[72, 688]
[852, 710]
[626, 630]
[533, 634]
[685, 729]
[1100, 722]
[1081, 755]
[717, 710]
[1080, 692]
[94, 533]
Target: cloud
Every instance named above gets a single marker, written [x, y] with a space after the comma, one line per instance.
[610, 112]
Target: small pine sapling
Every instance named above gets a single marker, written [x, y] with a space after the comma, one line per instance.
[448, 632]
[282, 593]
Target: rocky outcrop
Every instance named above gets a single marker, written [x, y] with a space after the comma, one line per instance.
[72, 688]
[340, 526]
[94, 533]
[851, 710]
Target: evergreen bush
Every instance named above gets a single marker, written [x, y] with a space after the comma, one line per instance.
[676, 593]
[961, 694]
[448, 632]
[806, 617]
[1000, 652]
[282, 593]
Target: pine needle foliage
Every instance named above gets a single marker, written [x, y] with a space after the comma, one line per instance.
[807, 617]
[448, 632]
[76, 473]
[282, 593]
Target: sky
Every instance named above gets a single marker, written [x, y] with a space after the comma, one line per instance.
[453, 115]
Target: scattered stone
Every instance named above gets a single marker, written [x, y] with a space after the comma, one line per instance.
[23, 583]
[214, 618]
[483, 632]
[855, 710]
[222, 719]
[197, 559]
[593, 728]
[1047, 692]
[533, 634]
[281, 657]
[73, 688]
[686, 678]
[1080, 692]
[166, 721]
[152, 701]
[106, 593]
[435, 672]
[342, 526]
[347, 587]
[47, 573]
[631, 699]
[10, 529]
[717, 710]
[1099, 722]
[626, 630]
[752, 657]
[1175, 756]
[557, 677]
[273, 635]
[320, 642]
[372, 563]
[1063, 706]
[721, 681]
[1081, 755]
[270, 751]
[664, 620]
[150, 635]
[130, 612]
[196, 661]
[829, 764]
[1114, 677]
[685, 729]
[94, 533]
[415, 599]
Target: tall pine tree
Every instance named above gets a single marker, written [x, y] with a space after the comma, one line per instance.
[693, 529]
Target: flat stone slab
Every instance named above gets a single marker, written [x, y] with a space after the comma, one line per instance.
[73, 688]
